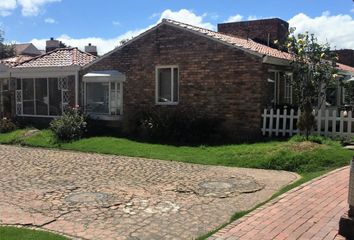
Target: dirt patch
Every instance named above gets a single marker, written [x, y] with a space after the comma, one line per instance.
[305, 146]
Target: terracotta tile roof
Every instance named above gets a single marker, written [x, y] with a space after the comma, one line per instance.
[13, 61]
[245, 44]
[345, 68]
[61, 57]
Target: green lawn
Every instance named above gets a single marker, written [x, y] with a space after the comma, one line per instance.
[309, 159]
[14, 233]
[291, 155]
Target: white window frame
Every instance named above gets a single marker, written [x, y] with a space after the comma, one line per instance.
[109, 113]
[172, 84]
[288, 86]
[63, 104]
[277, 87]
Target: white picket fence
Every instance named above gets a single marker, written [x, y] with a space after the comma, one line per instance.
[329, 122]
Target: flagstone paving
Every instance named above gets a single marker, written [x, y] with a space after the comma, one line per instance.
[309, 212]
[95, 196]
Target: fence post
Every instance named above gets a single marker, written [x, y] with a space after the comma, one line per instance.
[285, 116]
[271, 122]
[326, 122]
[291, 122]
[334, 122]
[341, 123]
[277, 122]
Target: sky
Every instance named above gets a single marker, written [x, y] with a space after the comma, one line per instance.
[106, 22]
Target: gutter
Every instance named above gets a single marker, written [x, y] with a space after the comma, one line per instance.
[275, 61]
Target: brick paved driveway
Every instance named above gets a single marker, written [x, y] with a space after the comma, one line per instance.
[95, 196]
[309, 212]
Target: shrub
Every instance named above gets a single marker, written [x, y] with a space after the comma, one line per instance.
[172, 126]
[6, 125]
[70, 126]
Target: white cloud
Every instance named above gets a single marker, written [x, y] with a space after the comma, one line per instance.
[28, 7]
[188, 17]
[104, 45]
[6, 7]
[335, 29]
[116, 23]
[50, 20]
[236, 18]
[33, 7]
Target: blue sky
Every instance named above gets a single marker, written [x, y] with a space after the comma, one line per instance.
[106, 22]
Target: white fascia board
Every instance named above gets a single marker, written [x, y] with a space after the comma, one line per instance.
[276, 61]
[44, 72]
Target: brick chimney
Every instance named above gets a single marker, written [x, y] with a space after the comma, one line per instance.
[91, 49]
[52, 44]
[264, 31]
[346, 56]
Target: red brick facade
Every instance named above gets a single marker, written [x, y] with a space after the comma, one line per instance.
[258, 30]
[215, 80]
[346, 56]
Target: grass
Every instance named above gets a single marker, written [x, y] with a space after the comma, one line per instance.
[310, 159]
[292, 155]
[15, 233]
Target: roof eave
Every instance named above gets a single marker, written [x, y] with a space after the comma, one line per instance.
[276, 61]
[44, 71]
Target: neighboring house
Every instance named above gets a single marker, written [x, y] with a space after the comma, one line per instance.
[27, 49]
[44, 85]
[23, 52]
[224, 74]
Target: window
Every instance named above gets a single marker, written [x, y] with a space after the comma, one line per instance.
[288, 91]
[103, 91]
[167, 81]
[103, 98]
[97, 96]
[5, 103]
[279, 87]
[40, 96]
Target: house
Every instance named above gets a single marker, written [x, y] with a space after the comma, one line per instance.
[42, 86]
[23, 52]
[224, 74]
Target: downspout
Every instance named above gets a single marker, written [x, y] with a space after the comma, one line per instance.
[77, 88]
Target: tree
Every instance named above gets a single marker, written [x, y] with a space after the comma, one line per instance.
[6, 50]
[314, 69]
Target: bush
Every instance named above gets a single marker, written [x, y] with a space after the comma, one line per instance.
[172, 126]
[70, 126]
[312, 138]
[6, 125]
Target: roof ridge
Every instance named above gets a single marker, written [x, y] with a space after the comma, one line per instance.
[45, 54]
[218, 35]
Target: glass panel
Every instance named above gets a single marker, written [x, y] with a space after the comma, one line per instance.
[175, 84]
[115, 101]
[18, 84]
[271, 88]
[28, 96]
[97, 97]
[5, 84]
[42, 101]
[54, 97]
[164, 85]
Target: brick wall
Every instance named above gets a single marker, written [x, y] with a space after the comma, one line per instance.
[215, 79]
[346, 56]
[258, 30]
